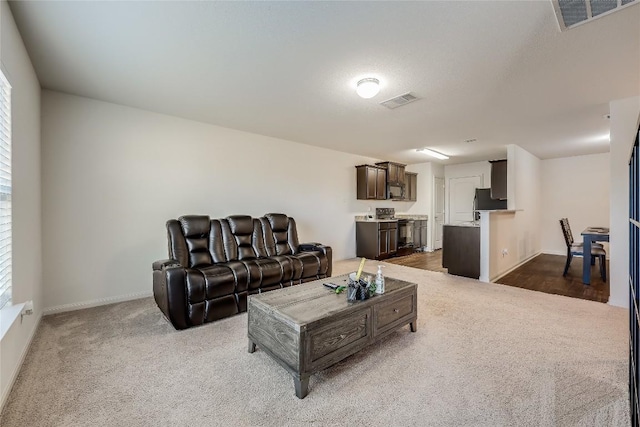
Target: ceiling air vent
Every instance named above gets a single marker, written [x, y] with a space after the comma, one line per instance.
[571, 13]
[399, 101]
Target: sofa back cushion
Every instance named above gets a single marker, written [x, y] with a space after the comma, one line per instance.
[190, 242]
[198, 241]
[239, 235]
[280, 234]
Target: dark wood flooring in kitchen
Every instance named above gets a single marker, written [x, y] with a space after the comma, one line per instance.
[425, 260]
[543, 273]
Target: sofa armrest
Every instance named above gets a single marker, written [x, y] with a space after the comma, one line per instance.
[315, 246]
[163, 263]
[310, 246]
[169, 291]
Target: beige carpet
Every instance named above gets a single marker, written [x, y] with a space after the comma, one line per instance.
[484, 355]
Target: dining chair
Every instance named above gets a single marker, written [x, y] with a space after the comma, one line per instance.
[577, 249]
[573, 243]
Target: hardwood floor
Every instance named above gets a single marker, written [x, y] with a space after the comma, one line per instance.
[425, 260]
[543, 273]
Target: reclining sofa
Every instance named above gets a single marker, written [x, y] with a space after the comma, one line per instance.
[216, 263]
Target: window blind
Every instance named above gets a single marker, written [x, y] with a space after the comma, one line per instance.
[5, 191]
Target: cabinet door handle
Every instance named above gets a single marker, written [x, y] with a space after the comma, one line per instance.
[395, 310]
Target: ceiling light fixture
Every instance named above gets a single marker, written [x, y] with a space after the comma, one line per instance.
[368, 88]
[432, 153]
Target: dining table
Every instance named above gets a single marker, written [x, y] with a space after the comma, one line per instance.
[590, 235]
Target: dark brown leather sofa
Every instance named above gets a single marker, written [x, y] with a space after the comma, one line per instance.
[216, 263]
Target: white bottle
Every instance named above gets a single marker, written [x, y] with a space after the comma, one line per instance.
[380, 281]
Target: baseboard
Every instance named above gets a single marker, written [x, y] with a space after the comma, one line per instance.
[554, 252]
[16, 370]
[94, 303]
[524, 261]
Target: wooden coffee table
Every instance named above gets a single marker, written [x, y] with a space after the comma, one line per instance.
[307, 327]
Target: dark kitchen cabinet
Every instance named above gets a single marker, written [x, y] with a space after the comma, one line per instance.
[461, 250]
[371, 182]
[499, 179]
[419, 233]
[395, 172]
[376, 240]
[411, 186]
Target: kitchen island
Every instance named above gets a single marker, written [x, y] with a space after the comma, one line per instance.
[461, 249]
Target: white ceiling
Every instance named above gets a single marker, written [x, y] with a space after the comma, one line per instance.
[498, 71]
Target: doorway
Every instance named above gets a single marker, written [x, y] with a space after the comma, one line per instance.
[462, 192]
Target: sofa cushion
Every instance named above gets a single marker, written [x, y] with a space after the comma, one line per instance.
[195, 229]
[287, 267]
[282, 229]
[310, 264]
[238, 237]
[267, 271]
[240, 274]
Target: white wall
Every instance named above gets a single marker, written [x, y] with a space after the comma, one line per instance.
[113, 176]
[482, 169]
[576, 188]
[27, 236]
[509, 238]
[502, 234]
[625, 115]
[524, 188]
[423, 197]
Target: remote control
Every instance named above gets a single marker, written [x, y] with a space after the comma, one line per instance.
[331, 285]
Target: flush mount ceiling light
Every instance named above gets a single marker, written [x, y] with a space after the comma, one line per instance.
[432, 153]
[368, 88]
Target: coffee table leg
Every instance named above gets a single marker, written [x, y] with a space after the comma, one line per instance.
[301, 384]
[252, 346]
[414, 326]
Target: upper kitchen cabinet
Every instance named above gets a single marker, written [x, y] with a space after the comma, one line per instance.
[499, 179]
[372, 182]
[411, 186]
[395, 172]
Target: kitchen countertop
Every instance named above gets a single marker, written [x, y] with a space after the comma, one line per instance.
[363, 218]
[465, 224]
[412, 216]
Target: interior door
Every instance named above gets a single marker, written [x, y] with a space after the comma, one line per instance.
[461, 194]
[438, 214]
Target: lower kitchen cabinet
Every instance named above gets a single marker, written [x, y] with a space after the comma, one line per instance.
[376, 240]
[419, 233]
[461, 250]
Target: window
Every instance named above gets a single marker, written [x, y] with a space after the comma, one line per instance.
[5, 191]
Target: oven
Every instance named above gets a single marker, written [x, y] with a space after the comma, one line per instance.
[405, 233]
[405, 226]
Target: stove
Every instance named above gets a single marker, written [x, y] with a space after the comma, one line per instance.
[405, 226]
[385, 213]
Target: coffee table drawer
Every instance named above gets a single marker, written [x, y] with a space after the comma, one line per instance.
[328, 341]
[387, 315]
